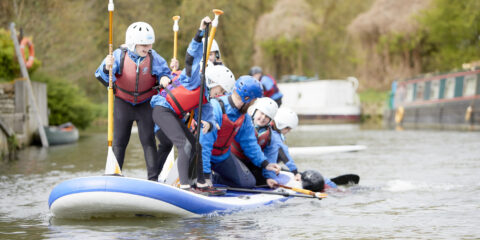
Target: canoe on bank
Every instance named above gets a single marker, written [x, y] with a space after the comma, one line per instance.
[62, 134]
[111, 196]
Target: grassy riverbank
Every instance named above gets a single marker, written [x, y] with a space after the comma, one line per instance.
[374, 103]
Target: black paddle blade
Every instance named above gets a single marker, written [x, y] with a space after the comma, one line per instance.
[346, 179]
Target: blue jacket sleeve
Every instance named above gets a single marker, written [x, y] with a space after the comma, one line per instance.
[160, 67]
[192, 80]
[267, 82]
[248, 142]
[207, 140]
[101, 74]
[278, 140]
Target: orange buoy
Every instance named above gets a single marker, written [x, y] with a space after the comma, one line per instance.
[26, 42]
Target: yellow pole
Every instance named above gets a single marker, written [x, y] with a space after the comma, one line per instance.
[217, 13]
[175, 33]
[112, 167]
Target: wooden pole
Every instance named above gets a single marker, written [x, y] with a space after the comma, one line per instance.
[25, 75]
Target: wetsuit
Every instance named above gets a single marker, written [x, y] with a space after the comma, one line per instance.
[133, 92]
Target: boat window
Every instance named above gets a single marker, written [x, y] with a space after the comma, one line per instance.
[410, 92]
[470, 86]
[450, 87]
[420, 91]
[434, 89]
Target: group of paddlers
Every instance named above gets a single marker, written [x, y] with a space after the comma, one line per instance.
[241, 131]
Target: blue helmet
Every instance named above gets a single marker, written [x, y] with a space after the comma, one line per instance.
[248, 88]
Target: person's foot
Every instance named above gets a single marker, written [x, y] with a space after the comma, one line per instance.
[211, 191]
[195, 190]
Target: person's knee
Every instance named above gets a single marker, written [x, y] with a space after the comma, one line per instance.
[248, 182]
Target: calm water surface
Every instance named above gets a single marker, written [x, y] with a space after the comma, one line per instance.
[414, 184]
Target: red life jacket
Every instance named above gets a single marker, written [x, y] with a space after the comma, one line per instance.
[226, 133]
[263, 140]
[133, 86]
[273, 90]
[183, 100]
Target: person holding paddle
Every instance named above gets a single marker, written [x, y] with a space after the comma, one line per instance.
[229, 112]
[136, 69]
[169, 113]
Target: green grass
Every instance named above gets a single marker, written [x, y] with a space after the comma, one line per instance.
[373, 96]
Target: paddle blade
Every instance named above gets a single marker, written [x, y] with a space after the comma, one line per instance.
[346, 179]
[112, 167]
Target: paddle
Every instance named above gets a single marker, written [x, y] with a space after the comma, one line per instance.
[304, 191]
[286, 194]
[339, 180]
[112, 167]
[198, 152]
[175, 33]
[217, 13]
[346, 179]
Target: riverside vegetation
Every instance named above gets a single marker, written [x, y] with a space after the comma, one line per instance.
[328, 38]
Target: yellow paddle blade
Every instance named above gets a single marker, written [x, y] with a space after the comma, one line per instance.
[112, 167]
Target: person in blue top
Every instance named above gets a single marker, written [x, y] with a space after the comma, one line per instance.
[137, 68]
[229, 112]
[270, 141]
[270, 87]
[170, 110]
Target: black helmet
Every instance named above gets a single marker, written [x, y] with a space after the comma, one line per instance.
[254, 70]
[313, 181]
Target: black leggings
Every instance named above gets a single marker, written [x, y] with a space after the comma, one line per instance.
[173, 130]
[124, 115]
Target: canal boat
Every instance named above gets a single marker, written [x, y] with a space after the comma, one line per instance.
[447, 100]
[114, 196]
[323, 101]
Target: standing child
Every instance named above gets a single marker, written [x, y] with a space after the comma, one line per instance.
[137, 68]
[169, 111]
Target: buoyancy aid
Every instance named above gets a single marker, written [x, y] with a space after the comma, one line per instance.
[263, 141]
[132, 85]
[227, 132]
[273, 90]
[183, 100]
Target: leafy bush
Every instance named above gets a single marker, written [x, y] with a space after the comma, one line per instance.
[67, 103]
[9, 67]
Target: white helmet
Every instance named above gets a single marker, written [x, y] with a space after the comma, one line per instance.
[139, 33]
[286, 118]
[267, 105]
[219, 75]
[214, 47]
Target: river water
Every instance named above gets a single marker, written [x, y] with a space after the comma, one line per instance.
[414, 184]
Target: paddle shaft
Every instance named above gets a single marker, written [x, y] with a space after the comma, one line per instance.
[193, 166]
[268, 192]
[305, 191]
[110, 77]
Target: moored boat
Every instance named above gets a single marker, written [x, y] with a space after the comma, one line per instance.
[448, 100]
[62, 134]
[323, 101]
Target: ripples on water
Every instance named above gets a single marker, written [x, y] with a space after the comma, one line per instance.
[414, 184]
